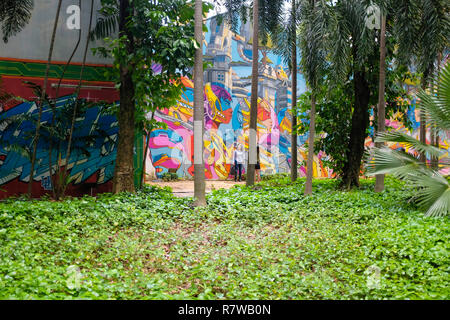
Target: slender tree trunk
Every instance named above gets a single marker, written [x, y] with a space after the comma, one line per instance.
[379, 178]
[312, 118]
[423, 124]
[41, 102]
[50, 148]
[360, 119]
[312, 133]
[294, 164]
[434, 130]
[199, 166]
[147, 138]
[252, 137]
[123, 179]
[142, 179]
[74, 115]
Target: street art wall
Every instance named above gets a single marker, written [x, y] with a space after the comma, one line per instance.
[90, 165]
[227, 104]
[23, 58]
[413, 115]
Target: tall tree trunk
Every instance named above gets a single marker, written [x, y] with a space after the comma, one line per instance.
[360, 119]
[312, 118]
[199, 166]
[312, 133]
[423, 124]
[41, 102]
[294, 164]
[123, 179]
[147, 139]
[423, 132]
[379, 178]
[252, 137]
[434, 130]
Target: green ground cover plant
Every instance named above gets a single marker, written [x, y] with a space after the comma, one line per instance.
[269, 242]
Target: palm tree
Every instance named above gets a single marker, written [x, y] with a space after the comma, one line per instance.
[422, 29]
[14, 16]
[285, 40]
[252, 137]
[266, 14]
[379, 179]
[432, 189]
[314, 23]
[199, 166]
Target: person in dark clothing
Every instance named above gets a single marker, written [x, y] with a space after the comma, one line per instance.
[239, 159]
[258, 166]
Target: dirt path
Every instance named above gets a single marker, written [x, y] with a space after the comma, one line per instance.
[185, 188]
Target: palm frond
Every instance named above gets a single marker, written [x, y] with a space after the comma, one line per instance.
[398, 163]
[437, 107]
[408, 142]
[433, 193]
[14, 16]
[107, 23]
[433, 35]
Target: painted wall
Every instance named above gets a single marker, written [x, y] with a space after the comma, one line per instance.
[34, 40]
[227, 104]
[226, 97]
[413, 115]
[23, 58]
[92, 172]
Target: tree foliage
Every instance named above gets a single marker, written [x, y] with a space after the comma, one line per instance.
[433, 190]
[164, 48]
[14, 16]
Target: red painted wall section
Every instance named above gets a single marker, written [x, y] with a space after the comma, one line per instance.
[96, 91]
[92, 91]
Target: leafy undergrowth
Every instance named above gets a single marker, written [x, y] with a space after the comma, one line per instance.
[268, 243]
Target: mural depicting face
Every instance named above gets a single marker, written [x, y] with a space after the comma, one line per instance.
[218, 107]
[172, 148]
[184, 109]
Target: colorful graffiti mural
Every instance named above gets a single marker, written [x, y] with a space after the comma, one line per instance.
[91, 171]
[413, 114]
[94, 164]
[227, 105]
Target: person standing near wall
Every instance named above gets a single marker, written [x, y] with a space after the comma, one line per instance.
[258, 166]
[239, 159]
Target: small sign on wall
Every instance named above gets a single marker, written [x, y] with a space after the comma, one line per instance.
[73, 21]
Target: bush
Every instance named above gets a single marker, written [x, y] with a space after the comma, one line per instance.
[275, 176]
[169, 176]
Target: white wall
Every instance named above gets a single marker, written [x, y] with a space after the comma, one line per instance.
[33, 41]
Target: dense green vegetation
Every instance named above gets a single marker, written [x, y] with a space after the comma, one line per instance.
[268, 243]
